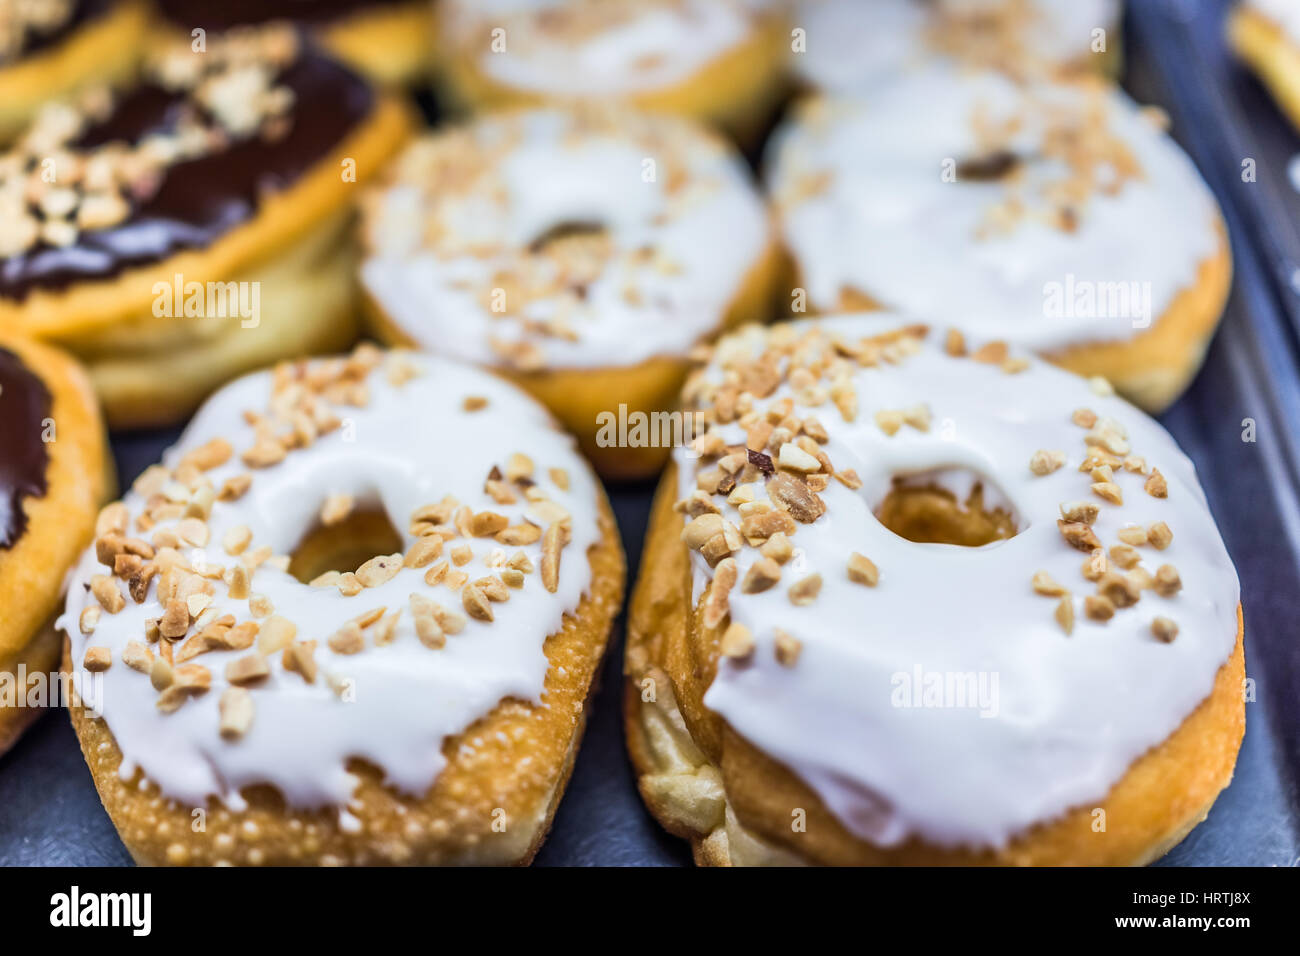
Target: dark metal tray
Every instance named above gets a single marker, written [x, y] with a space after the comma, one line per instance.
[50, 814]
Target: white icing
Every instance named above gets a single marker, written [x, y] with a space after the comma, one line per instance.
[1284, 13]
[627, 48]
[1072, 712]
[892, 225]
[411, 445]
[711, 232]
[853, 46]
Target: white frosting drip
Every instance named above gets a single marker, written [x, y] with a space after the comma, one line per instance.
[1071, 712]
[709, 233]
[853, 46]
[892, 226]
[413, 444]
[631, 47]
[1285, 13]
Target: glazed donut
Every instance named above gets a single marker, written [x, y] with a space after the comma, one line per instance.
[57, 48]
[1055, 216]
[389, 41]
[1266, 35]
[920, 600]
[852, 47]
[54, 474]
[196, 226]
[424, 708]
[719, 61]
[582, 254]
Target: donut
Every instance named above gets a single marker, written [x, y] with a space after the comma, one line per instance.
[372, 595]
[388, 41]
[1265, 34]
[58, 48]
[580, 253]
[1058, 217]
[915, 598]
[853, 47]
[718, 61]
[197, 225]
[55, 472]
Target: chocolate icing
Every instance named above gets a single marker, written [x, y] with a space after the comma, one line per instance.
[82, 11]
[24, 457]
[201, 199]
[222, 16]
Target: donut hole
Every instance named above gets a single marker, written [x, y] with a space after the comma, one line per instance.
[950, 507]
[345, 545]
[568, 232]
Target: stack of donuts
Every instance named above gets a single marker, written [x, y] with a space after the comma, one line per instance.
[905, 278]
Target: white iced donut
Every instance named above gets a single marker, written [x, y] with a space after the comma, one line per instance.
[946, 600]
[553, 244]
[716, 60]
[853, 47]
[219, 674]
[1059, 217]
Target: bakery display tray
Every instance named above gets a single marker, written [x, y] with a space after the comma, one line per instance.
[50, 813]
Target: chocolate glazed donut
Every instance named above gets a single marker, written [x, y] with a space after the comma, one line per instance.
[198, 225]
[53, 476]
[24, 407]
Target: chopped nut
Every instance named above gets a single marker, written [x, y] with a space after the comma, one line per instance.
[763, 574]
[1155, 485]
[1124, 555]
[1079, 535]
[348, 639]
[802, 503]
[474, 403]
[1084, 417]
[862, 570]
[777, 547]
[336, 508]
[487, 523]
[1045, 462]
[97, 659]
[1159, 535]
[249, 669]
[805, 591]
[1119, 590]
[425, 551]
[1044, 583]
[175, 620]
[89, 619]
[1109, 491]
[1164, 629]
[1098, 608]
[551, 544]
[235, 540]
[349, 584]
[737, 642]
[476, 602]
[301, 658]
[1065, 614]
[794, 458]
[236, 708]
[276, 634]
[1167, 582]
[787, 648]
[955, 343]
[1080, 511]
[889, 421]
[379, 570]
[1133, 534]
[717, 605]
[107, 593]
[137, 656]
